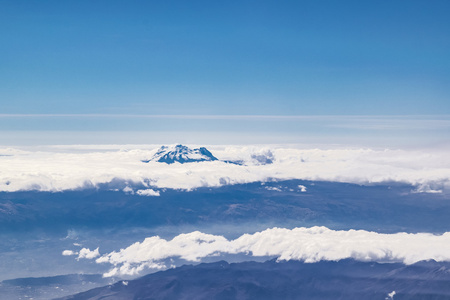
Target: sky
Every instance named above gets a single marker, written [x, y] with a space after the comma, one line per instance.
[341, 73]
[290, 58]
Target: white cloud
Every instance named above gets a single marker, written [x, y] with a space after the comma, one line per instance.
[302, 188]
[69, 253]
[131, 270]
[425, 188]
[128, 190]
[88, 254]
[147, 192]
[306, 244]
[391, 295]
[75, 169]
[273, 188]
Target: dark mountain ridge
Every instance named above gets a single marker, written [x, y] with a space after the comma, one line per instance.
[346, 279]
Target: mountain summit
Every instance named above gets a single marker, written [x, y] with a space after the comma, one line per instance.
[181, 154]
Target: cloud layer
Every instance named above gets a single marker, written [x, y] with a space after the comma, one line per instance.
[306, 244]
[78, 168]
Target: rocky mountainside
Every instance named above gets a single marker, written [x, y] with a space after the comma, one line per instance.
[181, 154]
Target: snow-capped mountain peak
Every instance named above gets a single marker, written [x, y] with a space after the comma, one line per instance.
[181, 154]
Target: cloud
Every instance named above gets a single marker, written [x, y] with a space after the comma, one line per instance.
[147, 192]
[273, 188]
[391, 295]
[131, 270]
[263, 158]
[88, 254]
[69, 253]
[78, 168]
[425, 188]
[128, 190]
[302, 188]
[306, 244]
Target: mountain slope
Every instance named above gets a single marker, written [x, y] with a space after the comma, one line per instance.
[181, 154]
[345, 279]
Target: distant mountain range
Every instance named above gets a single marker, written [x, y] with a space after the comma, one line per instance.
[41, 288]
[346, 279]
[181, 154]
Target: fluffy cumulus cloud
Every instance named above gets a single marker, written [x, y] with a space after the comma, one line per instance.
[85, 253]
[147, 192]
[302, 188]
[88, 254]
[305, 244]
[69, 253]
[57, 170]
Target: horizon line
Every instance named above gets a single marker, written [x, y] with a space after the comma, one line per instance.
[216, 116]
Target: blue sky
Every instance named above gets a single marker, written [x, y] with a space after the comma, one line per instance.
[229, 57]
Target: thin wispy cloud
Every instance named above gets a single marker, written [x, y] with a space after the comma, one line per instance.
[240, 117]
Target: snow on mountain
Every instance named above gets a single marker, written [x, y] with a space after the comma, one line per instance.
[181, 154]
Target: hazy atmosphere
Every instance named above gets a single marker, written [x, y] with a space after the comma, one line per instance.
[235, 150]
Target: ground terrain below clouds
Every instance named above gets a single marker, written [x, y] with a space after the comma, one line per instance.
[346, 280]
[38, 226]
[390, 207]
